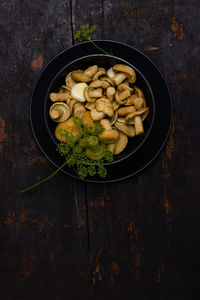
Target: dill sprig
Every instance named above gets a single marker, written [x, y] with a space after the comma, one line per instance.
[86, 153]
[85, 33]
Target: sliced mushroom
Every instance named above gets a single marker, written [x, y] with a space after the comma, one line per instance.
[123, 111]
[90, 105]
[121, 143]
[140, 94]
[59, 112]
[98, 74]
[119, 78]
[127, 129]
[130, 100]
[91, 71]
[105, 105]
[106, 124]
[137, 116]
[71, 104]
[111, 147]
[96, 84]
[124, 86]
[95, 93]
[138, 102]
[110, 92]
[111, 73]
[87, 119]
[114, 118]
[65, 89]
[130, 73]
[97, 115]
[68, 126]
[59, 97]
[115, 105]
[121, 97]
[87, 97]
[81, 77]
[79, 110]
[110, 135]
[108, 80]
[70, 82]
[77, 91]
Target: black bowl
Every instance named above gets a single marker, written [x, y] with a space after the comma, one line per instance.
[105, 61]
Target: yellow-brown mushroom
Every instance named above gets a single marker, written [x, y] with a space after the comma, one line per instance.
[130, 73]
[105, 105]
[68, 126]
[59, 97]
[137, 117]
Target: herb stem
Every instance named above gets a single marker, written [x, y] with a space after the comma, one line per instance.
[94, 44]
[43, 180]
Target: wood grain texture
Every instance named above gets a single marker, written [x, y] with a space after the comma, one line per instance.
[135, 239]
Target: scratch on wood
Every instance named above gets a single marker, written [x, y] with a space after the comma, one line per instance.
[177, 28]
[26, 263]
[170, 144]
[37, 63]
[16, 220]
[42, 224]
[3, 134]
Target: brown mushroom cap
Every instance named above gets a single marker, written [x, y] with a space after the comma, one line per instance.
[106, 124]
[91, 71]
[69, 126]
[123, 111]
[98, 74]
[127, 129]
[110, 135]
[126, 69]
[121, 143]
[87, 119]
[137, 113]
[80, 77]
[59, 112]
[69, 80]
[97, 115]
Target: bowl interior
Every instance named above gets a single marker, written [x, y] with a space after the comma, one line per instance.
[106, 62]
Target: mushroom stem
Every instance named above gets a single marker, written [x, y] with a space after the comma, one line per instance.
[125, 94]
[139, 129]
[97, 93]
[59, 97]
[56, 113]
[118, 78]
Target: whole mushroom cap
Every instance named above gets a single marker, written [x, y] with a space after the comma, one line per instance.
[126, 69]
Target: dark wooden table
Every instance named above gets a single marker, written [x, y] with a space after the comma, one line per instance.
[134, 239]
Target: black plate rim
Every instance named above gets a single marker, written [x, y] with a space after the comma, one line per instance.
[164, 140]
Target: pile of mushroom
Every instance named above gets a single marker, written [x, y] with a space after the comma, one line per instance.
[99, 95]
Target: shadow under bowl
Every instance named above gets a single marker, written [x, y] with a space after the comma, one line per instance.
[105, 61]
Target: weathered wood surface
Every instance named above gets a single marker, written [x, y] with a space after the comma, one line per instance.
[135, 239]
